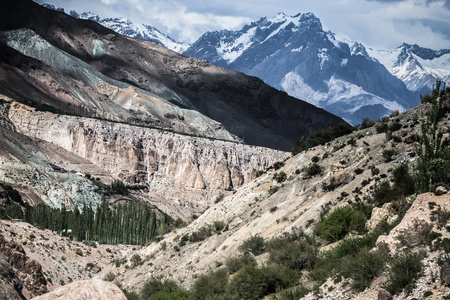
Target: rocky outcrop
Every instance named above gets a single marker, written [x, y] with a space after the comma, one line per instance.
[29, 271]
[44, 157]
[140, 155]
[85, 290]
[10, 285]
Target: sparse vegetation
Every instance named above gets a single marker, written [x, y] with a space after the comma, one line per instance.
[313, 169]
[321, 137]
[341, 221]
[254, 244]
[404, 270]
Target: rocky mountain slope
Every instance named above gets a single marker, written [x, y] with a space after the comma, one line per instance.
[272, 208]
[418, 67]
[295, 54]
[44, 260]
[127, 27]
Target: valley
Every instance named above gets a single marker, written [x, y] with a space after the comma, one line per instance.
[130, 171]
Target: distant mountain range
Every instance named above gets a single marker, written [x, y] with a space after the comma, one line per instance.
[127, 27]
[296, 55]
[418, 67]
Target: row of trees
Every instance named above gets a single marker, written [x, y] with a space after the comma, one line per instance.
[129, 223]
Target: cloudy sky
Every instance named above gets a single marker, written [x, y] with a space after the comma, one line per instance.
[383, 24]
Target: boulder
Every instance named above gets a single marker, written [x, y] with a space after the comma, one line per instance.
[384, 295]
[440, 190]
[85, 290]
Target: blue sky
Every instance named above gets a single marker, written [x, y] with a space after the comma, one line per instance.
[383, 24]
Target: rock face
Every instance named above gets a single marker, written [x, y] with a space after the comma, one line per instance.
[10, 285]
[29, 271]
[85, 290]
[185, 169]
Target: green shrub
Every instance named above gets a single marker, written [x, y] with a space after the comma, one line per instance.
[219, 226]
[383, 193]
[280, 177]
[136, 260]
[168, 290]
[201, 234]
[313, 169]
[395, 126]
[213, 285]
[293, 293]
[388, 153]
[362, 268]
[254, 283]
[351, 246]
[234, 264]
[366, 123]
[404, 271]
[341, 221]
[298, 255]
[382, 127]
[220, 197]
[277, 165]
[254, 244]
[272, 190]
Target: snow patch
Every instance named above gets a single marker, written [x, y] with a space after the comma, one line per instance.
[231, 51]
[97, 49]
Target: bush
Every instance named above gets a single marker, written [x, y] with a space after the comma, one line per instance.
[279, 177]
[272, 190]
[381, 128]
[383, 193]
[212, 286]
[395, 126]
[168, 290]
[313, 169]
[405, 270]
[110, 276]
[388, 153]
[254, 283]
[297, 292]
[341, 221]
[299, 146]
[277, 165]
[234, 264]
[221, 196]
[366, 123]
[254, 244]
[298, 255]
[362, 268]
[219, 226]
[201, 234]
[136, 260]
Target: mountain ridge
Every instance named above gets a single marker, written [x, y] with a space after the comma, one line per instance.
[127, 27]
[296, 55]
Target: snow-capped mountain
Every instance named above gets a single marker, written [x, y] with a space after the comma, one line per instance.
[418, 67]
[127, 27]
[296, 55]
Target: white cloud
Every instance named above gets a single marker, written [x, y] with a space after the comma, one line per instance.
[108, 2]
[382, 23]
